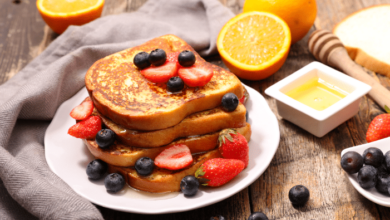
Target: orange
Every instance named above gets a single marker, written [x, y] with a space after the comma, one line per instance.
[298, 14]
[59, 14]
[254, 45]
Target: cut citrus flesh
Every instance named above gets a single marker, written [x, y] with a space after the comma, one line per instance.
[59, 14]
[254, 45]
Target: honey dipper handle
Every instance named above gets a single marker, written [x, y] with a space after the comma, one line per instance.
[339, 58]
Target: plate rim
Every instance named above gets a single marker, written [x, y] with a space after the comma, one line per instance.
[193, 205]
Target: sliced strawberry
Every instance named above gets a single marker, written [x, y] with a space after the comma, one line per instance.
[173, 57]
[82, 111]
[242, 99]
[174, 158]
[161, 74]
[196, 75]
[87, 128]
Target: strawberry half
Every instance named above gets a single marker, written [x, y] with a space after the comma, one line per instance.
[82, 111]
[233, 145]
[87, 128]
[218, 171]
[174, 158]
[379, 127]
[196, 75]
[161, 74]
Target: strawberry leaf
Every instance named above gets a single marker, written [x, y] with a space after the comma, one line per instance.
[226, 134]
[387, 109]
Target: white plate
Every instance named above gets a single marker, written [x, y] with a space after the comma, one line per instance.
[68, 158]
[371, 194]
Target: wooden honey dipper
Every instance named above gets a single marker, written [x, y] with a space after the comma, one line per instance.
[327, 48]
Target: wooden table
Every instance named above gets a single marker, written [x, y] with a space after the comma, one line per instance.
[301, 158]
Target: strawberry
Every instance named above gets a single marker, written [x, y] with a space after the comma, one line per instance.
[174, 158]
[196, 75]
[218, 171]
[233, 145]
[87, 128]
[82, 111]
[245, 97]
[379, 127]
[161, 74]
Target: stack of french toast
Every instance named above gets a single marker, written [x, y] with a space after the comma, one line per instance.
[147, 118]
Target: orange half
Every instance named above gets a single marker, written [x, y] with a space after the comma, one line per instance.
[254, 45]
[60, 14]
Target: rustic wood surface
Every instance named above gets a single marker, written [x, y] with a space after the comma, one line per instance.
[300, 159]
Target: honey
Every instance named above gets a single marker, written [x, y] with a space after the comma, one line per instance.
[317, 94]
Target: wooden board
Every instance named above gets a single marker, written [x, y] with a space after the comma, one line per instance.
[301, 157]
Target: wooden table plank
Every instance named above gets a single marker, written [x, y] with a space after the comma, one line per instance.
[301, 157]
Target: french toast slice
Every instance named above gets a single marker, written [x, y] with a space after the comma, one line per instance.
[162, 180]
[122, 155]
[120, 93]
[199, 123]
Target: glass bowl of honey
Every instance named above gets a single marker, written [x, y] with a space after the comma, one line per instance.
[318, 98]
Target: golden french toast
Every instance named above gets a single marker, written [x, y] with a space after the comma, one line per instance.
[120, 93]
[162, 180]
[122, 155]
[199, 123]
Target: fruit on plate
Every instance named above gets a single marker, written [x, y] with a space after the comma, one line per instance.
[373, 156]
[196, 75]
[233, 145]
[163, 72]
[174, 158]
[86, 129]
[351, 162]
[189, 185]
[229, 102]
[60, 14]
[96, 169]
[114, 182]
[298, 14]
[382, 183]
[254, 45]
[379, 127]
[144, 166]
[367, 177]
[218, 171]
[299, 195]
[105, 138]
[82, 111]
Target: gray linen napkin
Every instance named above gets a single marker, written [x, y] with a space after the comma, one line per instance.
[28, 101]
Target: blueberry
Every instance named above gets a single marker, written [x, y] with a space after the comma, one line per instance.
[367, 177]
[175, 84]
[351, 162]
[387, 160]
[299, 195]
[104, 138]
[96, 169]
[141, 60]
[218, 217]
[157, 57]
[258, 216]
[186, 58]
[189, 186]
[246, 115]
[114, 182]
[229, 102]
[144, 166]
[373, 156]
[382, 183]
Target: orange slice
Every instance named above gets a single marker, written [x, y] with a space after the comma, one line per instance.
[254, 45]
[59, 14]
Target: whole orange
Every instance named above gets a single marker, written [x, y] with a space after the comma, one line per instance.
[298, 14]
[60, 14]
